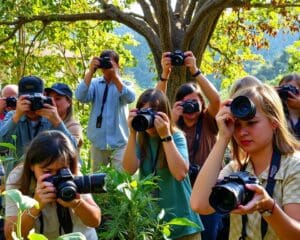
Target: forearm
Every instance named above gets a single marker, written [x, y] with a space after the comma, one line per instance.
[285, 227]
[88, 213]
[162, 85]
[177, 166]
[210, 93]
[130, 161]
[207, 178]
[88, 77]
[29, 217]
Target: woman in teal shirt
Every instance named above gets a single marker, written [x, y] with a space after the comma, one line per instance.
[161, 150]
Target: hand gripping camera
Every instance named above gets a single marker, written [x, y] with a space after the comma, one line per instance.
[284, 90]
[143, 120]
[243, 108]
[190, 106]
[105, 62]
[231, 192]
[177, 58]
[68, 185]
[38, 100]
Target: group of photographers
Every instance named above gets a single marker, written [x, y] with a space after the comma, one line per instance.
[183, 145]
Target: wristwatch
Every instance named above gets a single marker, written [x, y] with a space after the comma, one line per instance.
[167, 139]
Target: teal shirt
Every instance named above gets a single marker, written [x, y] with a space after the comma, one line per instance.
[174, 196]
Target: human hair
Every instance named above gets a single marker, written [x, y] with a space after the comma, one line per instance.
[266, 98]
[46, 148]
[186, 89]
[244, 82]
[290, 77]
[69, 114]
[110, 53]
[158, 102]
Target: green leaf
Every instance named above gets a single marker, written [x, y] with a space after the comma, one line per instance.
[72, 236]
[166, 230]
[183, 222]
[23, 202]
[35, 236]
[8, 145]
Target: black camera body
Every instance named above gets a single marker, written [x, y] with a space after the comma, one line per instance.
[67, 185]
[284, 90]
[38, 100]
[11, 102]
[143, 120]
[190, 106]
[177, 58]
[105, 62]
[243, 108]
[227, 194]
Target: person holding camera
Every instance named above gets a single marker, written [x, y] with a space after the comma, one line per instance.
[156, 147]
[8, 99]
[254, 122]
[110, 95]
[62, 95]
[195, 119]
[288, 90]
[47, 155]
[34, 113]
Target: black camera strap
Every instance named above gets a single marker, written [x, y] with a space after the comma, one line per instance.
[99, 118]
[196, 139]
[274, 167]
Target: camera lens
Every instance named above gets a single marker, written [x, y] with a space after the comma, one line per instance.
[90, 183]
[243, 108]
[66, 190]
[142, 122]
[227, 197]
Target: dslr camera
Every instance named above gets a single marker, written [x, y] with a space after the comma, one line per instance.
[177, 58]
[190, 106]
[105, 62]
[11, 102]
[143, 120]
[243, 108]
[231, 192]
[284, 90]
[67, 185]
[38, 100]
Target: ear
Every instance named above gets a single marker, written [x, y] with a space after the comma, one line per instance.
[274, 125]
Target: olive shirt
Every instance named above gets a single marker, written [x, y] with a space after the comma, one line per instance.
[50, 219]
[286, 190]
[174, 195]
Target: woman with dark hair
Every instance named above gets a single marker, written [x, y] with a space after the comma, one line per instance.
[62, 95]
[196, 120]
[289, 91]
[161, 150]
[48, 153]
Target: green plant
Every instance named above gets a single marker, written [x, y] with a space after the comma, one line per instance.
[24, 202]
[130, 210]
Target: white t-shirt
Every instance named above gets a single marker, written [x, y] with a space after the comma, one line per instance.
[50, 219]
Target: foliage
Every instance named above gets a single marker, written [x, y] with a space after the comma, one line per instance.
[129, 209]
[23, 203]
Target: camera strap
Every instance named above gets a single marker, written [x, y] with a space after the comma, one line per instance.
[99, 118]
[196, 139]
[273, 169]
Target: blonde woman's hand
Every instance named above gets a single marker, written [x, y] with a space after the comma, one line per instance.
[225, 120]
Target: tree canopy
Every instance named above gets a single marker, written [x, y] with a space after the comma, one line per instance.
[220, 32]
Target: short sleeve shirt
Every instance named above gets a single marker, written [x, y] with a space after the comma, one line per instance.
[286, 190]
[50, 219]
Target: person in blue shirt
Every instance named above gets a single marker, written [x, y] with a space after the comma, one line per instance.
[33, 114]
[110, 95]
